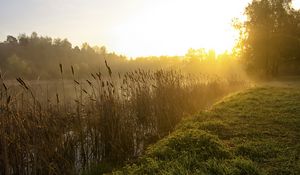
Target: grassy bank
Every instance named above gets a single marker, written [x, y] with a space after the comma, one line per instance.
[252, 132]
[78, 126]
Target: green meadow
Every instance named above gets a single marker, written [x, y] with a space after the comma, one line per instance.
[255, 131]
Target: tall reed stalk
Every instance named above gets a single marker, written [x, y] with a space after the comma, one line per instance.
[110, 119]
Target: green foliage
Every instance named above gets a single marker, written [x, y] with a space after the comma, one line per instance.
[269, 38]
[98, 168]
[197, 142]
[258, 151]
[251, 132]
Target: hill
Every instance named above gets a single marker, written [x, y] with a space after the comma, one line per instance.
[256, 131]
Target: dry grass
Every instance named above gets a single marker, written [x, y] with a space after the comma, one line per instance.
[110, 119]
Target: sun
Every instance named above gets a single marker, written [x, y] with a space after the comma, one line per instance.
[171, 27]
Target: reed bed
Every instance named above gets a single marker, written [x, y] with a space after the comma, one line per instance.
[109, 119]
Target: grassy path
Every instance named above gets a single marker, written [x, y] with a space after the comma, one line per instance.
[256, 131]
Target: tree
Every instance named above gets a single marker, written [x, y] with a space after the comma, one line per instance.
[11, 40]
[23, 39]
[17, 64]
[268, 35]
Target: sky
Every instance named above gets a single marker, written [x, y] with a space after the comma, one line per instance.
[129, 27]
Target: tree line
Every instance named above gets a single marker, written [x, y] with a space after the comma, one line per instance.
[38, 57]
[269, 43]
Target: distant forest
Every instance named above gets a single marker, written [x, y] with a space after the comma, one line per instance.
[38, 57]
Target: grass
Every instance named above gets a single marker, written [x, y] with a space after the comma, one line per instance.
[105, 121]
[256, 131]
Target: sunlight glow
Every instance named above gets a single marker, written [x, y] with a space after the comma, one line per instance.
[129, 27]
[171, 27]
[296, 4]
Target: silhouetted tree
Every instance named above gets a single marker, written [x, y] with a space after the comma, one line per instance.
[269, 38]
[38, 56]
[11, 40]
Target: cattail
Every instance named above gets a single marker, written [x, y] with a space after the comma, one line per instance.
[8, 100]
[90, 83]
[22, 83]
[18, 79]
[99, 75]
[61, 68]
[4, 86]
[93, 76]
[72, 69]
[84, 91]
[57, 98]
[76, 82]
[108, 68]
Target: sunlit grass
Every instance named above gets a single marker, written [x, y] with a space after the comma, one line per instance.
[252, 132]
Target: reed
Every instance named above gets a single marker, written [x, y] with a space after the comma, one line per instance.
[110, 119]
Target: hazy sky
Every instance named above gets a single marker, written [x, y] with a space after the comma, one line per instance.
[130, 27]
